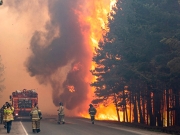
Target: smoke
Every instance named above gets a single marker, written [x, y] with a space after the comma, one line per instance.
[60, 57]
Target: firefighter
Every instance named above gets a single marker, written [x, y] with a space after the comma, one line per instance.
[36, 116]
[3, 116]
[92, 113]
[61, 113]
[8, 116]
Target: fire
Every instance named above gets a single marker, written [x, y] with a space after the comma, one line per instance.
[93, 17]
[105, 113]
[71, 88]
[76, 67]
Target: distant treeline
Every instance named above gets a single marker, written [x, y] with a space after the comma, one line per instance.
[138, 63]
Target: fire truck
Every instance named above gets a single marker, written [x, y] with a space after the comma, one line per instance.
[23, 101]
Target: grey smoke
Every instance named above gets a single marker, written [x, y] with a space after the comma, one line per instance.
[69, 48]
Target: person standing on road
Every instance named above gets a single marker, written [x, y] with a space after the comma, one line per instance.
[2, 111]
[61, 113]
[36, 116]
[8, 116]
[3, 116]
[92, 113]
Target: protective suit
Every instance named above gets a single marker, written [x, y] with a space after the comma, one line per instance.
[2, 113]
[8, 117]
[92, 113]
[36, 116]
[3, 116]
[61, 114]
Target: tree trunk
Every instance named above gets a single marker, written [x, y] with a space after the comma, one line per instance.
[167, 106]
[177, 108]
[140, 110]
[149, 108]
[117, 110]
[130, 120]
[135, 110]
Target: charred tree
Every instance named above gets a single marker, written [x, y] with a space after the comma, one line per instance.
[116, 104]
[135, 108]
[139, 107]
[177, 108]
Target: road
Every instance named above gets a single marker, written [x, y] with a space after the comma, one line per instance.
[76, 126]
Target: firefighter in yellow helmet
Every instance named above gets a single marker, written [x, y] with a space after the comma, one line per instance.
[8, 116]
[36, 116]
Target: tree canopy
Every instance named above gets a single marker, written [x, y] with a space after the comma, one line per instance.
[141, 50]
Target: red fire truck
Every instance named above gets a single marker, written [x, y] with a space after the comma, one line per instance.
[23, 101]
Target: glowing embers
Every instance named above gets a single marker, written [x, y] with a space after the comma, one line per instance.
[71, 88]
[77, 67]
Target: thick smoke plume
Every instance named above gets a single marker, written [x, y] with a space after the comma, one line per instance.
[60, 56]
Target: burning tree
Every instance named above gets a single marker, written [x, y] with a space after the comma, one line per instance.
[136, 54]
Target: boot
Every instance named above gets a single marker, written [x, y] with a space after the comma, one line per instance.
[38, 130]
[34, 130]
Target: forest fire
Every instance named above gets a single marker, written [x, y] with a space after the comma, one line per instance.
[65, 62]
[132, 76]
[95, 17]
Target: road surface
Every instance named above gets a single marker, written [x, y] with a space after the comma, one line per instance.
[75, 126]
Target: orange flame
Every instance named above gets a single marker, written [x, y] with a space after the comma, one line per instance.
[76, 67]
[71, 88]
[93, 18]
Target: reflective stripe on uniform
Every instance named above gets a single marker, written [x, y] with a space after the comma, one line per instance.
[8, 114]
[35, 114]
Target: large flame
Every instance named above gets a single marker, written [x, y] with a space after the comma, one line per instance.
[93, 17]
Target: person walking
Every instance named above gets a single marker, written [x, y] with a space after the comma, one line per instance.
[36, 116]
[61, 113]
[3, 116]
[2, 112]
[8, 116]
[92, 113]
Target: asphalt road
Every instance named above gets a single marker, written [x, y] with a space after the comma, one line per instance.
[80, 126]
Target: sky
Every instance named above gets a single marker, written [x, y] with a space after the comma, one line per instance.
[17, 24]
[47, 45]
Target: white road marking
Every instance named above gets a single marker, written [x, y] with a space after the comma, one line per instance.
[24, 128]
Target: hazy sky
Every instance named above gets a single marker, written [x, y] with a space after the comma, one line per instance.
[44, 47]
[17, 24]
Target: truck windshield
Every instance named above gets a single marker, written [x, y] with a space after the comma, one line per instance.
[24, 103]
